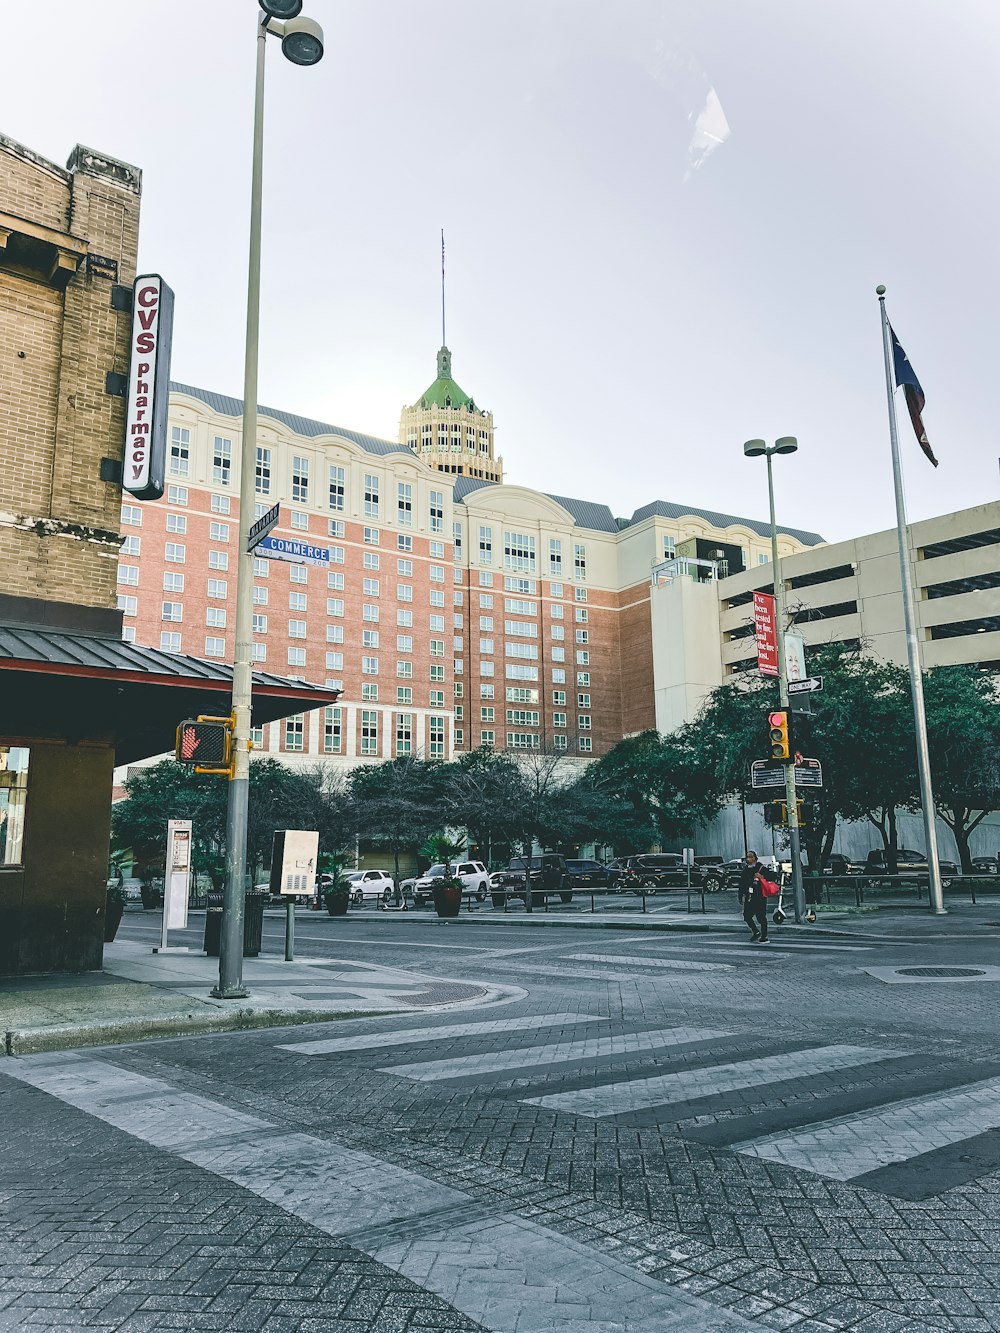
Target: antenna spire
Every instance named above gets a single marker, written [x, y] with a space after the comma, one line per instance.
[444, 340]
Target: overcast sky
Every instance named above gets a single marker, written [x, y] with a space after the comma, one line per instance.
[665, 223]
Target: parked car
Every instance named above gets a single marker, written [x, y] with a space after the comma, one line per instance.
[986, 865]
[588, 874]
[839, 864]
[908, 862]
[473, 874]
[370, 884]
[664, 870]
[545, 874]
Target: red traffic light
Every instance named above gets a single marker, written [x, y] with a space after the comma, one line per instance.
[205, 744]
[778, 737]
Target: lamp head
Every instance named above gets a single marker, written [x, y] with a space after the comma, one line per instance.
[302, 41]
[755, 448]
[786, 445]
[281, 9]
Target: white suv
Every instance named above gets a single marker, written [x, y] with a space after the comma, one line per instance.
[473, 874]
[364, 884]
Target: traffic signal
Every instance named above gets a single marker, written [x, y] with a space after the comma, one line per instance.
[774, 814]
[778, 738]
[204, 744]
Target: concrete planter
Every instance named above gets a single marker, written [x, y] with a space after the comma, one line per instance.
[448, 901]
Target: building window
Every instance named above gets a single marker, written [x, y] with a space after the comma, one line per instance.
[177, 495]
[218, 532]
[559, 698]
[583, 722]
[180, 451]
[215, 647]
[217, 588]
[763, 559]
[298, 573]
[296, 657]
[128, 634]
[456, 531]
[296, 629]
[583, 701]
[295, 730]
[555, 556]
[218, 559]
[369, 666]
[404, 592]
[437, 511]
[583, 636]
[170, 642]
[404, 694]
[560, 742]
[131, 516]
[582, 657]
[558, 654]
[371, 495]
[558, 676]
[369, 612]
[404, 568]
[261, 569]
[370, 536]
[369, 731]
[557, 632]
[522, 740]
[369, 638]
[519, 551]
[337, 483]
[487, 738]
[558, 719]
[220, 504]
[669, 548]
[297, 601]
[437, 647]
[579, 561]
[215, 617]
[521, 717]
[332, 730]
[258, 624]
[335, 579]
[586, 744]
[175, 553]
[300, 520]
[436, 597]
[177, 523]
[259, 596]
[581, 614]
[580, 594]
[127, 605]
[404, 670]
[173, 582]
[404, 503]
[487, 691]
[334, 606]
[404, 733]
[129, 546]
[583, 678]
[258, 652]
[129, 575]
[222, 461]
[404, 643]
[370, 587]
[436, 749]
[300, 479]
[262, 471]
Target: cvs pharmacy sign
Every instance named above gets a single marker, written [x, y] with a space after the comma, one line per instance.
[146, 398]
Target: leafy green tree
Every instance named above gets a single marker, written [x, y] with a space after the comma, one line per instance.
[397, 804]
[485, 793]
[963, 732]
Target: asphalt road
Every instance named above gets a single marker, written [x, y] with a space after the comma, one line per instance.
[666, 1130]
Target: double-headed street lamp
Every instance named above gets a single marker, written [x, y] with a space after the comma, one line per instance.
[302, 44]
[788, 444]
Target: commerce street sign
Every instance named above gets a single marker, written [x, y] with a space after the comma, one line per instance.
[292, 550]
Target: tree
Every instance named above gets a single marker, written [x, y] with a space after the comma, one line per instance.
[397, 803]
[963, 733]
[484, 792]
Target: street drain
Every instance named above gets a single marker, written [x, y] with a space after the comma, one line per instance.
[940, 972]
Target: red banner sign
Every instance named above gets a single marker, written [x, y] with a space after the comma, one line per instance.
[766, 629]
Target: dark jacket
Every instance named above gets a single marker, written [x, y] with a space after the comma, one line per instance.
[749, 885]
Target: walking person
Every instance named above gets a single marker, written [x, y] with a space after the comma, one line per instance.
[751, 897]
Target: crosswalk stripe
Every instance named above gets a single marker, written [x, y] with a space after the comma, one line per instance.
[633, 960]
[687, 1084]
[428, 1071]
[854, 1145]
[415, 1036]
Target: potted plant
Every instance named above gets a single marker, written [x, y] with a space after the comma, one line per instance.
[114, 907]
[447, 894]
[335, 892]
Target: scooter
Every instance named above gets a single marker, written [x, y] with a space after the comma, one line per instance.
[778, 916]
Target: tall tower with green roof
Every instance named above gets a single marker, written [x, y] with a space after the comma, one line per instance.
[447, 429]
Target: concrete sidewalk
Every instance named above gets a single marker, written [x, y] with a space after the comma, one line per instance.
[140, 995]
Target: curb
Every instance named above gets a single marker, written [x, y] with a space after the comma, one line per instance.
[34, 1041]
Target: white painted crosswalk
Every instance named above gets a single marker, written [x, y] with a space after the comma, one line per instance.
[415, 1036]
[636, 960]
[686, 1084]
[856, 1144]
[554, 1053]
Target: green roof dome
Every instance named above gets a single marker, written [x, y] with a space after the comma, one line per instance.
[444, 392]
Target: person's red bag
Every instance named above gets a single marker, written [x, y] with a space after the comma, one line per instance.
[768, 887]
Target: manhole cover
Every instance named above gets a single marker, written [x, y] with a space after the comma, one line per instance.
[940, 972]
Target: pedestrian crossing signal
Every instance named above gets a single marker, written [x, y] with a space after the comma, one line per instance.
[205, 744]
[777, 726]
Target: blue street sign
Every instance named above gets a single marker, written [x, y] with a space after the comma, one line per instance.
[296, 552]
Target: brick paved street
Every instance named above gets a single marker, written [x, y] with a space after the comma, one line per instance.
[669, 1131]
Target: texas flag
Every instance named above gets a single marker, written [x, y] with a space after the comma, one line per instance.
[906, 379]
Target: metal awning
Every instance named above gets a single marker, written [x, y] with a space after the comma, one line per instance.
[101, 688]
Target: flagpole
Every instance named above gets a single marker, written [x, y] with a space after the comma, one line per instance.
[909, 625]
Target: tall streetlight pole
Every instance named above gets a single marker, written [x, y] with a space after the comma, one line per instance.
[753, 449]
[302, 44]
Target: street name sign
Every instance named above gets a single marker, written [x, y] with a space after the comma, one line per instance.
[262, 527]
[810, 685]
[296, 552]
[766, 773]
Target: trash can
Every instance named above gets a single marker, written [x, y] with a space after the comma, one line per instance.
[213, 925]
[253, 924]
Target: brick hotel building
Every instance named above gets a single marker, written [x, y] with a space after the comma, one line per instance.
[457, 610]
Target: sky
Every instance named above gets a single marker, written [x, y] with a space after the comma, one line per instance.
[665, 221]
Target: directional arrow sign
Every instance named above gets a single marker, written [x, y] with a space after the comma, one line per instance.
[262, 527]
[807, 686]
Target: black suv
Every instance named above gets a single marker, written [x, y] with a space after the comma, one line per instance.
[588, 874]
[544, 874]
